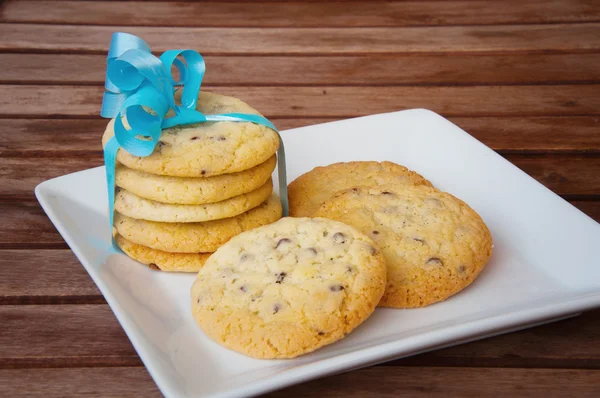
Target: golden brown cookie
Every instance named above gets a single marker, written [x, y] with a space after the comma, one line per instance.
[133, 206]
[193, 191]
[172, 262]
[199, 237]
[206, 149]
[434, 244]
[310, 190]
[288, 288]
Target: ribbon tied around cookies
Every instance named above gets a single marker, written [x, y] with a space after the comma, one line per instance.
[140, 88]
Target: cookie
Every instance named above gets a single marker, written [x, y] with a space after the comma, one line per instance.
[164, 261]
[311, 189]
[200, 237]
[206, 149]
[193, 191]
[288, 288]
[133, 206]
[434, 244]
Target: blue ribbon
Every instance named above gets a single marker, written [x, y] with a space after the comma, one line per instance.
[140, 87]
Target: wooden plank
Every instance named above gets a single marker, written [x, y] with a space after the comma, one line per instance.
[63, 335]
[22, 137]
[25, 225]
[338, 102]
[286, 14]
[20, 176]
[391, 69]
[539, 134]
[563, 174]
[45, 276]
[384, 382]
[90, 335]
[92, 382]
[444, 382]
[252, 41]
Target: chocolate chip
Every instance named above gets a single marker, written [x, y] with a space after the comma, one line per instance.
[283, 241]
[219, 138]
[419, 240]
[312, 250]
[280, 277]
[153, 266]
[354, 189]
[349, 269]
[198, 301]
[246, 256]
[243, 289]
[462, 269]
[386, 193]
[336, 288]
[434, 261]
[375, 232]
[203, 172]
[321, 333]
[194, 138]
[339, 237]
[276, 308]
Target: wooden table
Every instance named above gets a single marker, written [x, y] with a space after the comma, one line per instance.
[522, 76]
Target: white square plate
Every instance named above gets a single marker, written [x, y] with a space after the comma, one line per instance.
[545, 264]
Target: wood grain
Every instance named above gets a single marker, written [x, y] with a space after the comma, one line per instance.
[463, 69]
[557, 38]
[45, 276]
[90, 335]
[449, 382]
[81, 382]
[512, 134]
[63, 335]
[26, 226]
[339, 102]
[330, 14]
[384, 382]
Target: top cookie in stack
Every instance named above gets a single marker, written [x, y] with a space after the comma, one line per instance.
[203, 184]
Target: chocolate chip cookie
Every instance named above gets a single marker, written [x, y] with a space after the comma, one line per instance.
[311, 189]
[288, 288]
[434, 244]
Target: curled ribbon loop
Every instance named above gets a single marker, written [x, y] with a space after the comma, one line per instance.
[140, 92]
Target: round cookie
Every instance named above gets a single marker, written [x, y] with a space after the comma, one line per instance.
[193, 191]
[200, 237]
[133, 206]
[172, 262]
[434, 244]
[206, 149]
[307, 192]
[288, 288]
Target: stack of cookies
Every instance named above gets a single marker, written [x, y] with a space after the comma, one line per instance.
[203, 184]
[434, 244]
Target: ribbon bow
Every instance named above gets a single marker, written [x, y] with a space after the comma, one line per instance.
[141, 88]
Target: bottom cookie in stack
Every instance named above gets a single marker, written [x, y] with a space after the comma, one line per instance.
[184, 247]
[164, 261]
